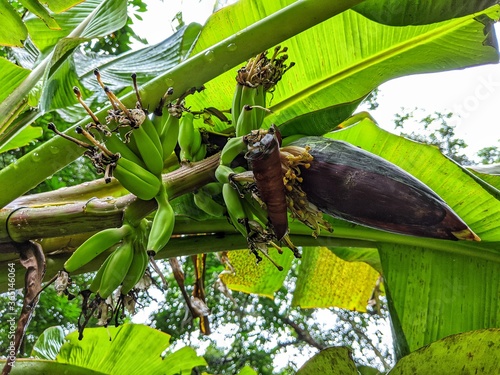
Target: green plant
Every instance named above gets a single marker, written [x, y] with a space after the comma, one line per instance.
[360, 48]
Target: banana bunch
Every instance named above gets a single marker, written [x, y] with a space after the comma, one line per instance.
[125, 266]
[254, 80]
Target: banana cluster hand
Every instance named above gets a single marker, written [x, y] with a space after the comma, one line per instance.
[257, 77]
[125, 266]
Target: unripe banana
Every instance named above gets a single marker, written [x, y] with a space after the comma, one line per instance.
[163, 223]
[137, 180]
[188, 140]
[247, 121]
[96, 281]
[233, 148]
[150, 150]
[95, 245]
[130, 143]
[236, 106]
[205, 202]
[213, 188]
[201, 153]
[117, 268]
[260, 101]
[169, 135]
[222, 173]
[151, 131]
[116, 145]
[235, 208]
[136, 270]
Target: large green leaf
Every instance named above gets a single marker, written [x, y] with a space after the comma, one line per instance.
[346, 66]
[115, 350]
[410, 12]
[40, 11]
[11, 76]
[13, 31]
[91, 19]
[475, 352]
[49, 343]
[111, 350]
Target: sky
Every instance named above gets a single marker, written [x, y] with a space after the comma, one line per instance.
[471, 94]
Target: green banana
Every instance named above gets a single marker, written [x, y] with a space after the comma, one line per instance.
[235, 208]
[205, 202]
[260, 101]
[169, 135]
[236, 106]
[233, 148]
[96, 281]
[95, 245]
[201, 153]
[149, 146]
[139, 181]
[189, 138]
[151, 131]
[163, 223]
[117, 268]
[130, 143]
[116, 145]
[222, 173]
[247, 121]
[136, 270]
[213, 188]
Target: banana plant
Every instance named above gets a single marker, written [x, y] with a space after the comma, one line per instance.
[342, 51]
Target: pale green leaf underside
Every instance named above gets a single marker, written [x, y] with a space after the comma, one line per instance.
[13, 31]
[11, 76]
[434, 294]
[474, 352]
[49, 343]
[411, 12]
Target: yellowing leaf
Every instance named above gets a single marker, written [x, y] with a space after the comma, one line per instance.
[327, 281]
[262, 278]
